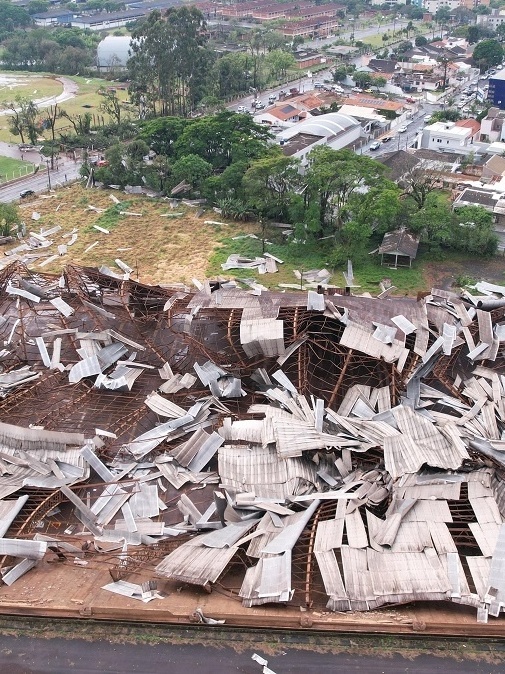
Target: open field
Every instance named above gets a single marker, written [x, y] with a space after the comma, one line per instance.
[163, 249]
[40, 86]
[13, 168]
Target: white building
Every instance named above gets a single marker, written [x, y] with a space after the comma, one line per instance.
[433, 6]
[333, 130]
[448, 136]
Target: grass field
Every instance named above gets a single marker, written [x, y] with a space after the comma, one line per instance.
[165, 249]
[13, 168]
[44, 86]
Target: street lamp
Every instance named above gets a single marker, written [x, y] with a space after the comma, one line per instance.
[48, 162]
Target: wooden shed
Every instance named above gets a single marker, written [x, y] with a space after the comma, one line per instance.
[400, 245]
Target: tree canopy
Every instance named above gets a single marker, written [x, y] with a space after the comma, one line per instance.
[487, 53]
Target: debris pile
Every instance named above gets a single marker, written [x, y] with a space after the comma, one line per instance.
[340, 446]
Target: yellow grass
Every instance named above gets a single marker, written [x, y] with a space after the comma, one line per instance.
[163, 250]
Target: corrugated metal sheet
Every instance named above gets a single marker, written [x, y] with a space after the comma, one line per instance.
[23, 548]
[497, 568]
[406, 573]
[486, 510]
[429, 511]
[486, 535]
[355, 530]
[262, 336]
[330, 572]
[479, 569]
[329, 535]
[442, 539]
[260, 470]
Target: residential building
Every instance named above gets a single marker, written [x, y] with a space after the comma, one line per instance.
[455, 137]
[283, 115]
[492, 127]
[432, 6]
[493, 20]
[496, 91]
[494, 169]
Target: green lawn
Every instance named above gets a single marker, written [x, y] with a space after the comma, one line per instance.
[13, 168]
[367, 273]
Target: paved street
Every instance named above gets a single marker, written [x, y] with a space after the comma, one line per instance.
[59, 656]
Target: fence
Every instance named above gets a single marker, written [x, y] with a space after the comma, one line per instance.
[16, 173]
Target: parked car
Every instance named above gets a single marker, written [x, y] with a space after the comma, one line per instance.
[427, 118]
[357, 90]
[402, 129]
[259, 106]
[375, 146]
[26, 193]
[241, 108]
[386, 139]
[272, 98]
[338, 90]
[318, 85]
[409, 99]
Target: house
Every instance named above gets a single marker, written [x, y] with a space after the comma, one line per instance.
[450, 136]
[492, 126]
[494, 168]
[490, 198]
[282, 114]
[334, 130]
[399, 162]
[400, 245]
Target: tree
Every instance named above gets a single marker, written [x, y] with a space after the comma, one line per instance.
[448, 115]
[333, 177]
[473, 231]
[420, 41]
[111, 105]
[9, 217]
[269, 184]
[379, 82]
[340, 73]
[473, 34]
[380, 207]
[433, 220]
[487, 53]
[443, 15]
[191, 169]
[161, 133]
[170, 62]
[362, 79]
[280, 62]
[23, 118]
[419, 182]
[223, 139]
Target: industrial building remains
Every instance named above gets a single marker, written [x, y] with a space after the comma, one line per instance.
[303, 448]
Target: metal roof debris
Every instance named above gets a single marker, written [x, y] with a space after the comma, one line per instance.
[376, 453]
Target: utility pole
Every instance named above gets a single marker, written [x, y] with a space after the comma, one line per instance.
[48, 162]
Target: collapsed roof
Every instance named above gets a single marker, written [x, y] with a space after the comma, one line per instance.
[342, 451]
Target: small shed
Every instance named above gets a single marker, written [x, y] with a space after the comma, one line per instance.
[401, 245]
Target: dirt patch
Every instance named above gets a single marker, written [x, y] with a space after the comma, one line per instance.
[446, 274]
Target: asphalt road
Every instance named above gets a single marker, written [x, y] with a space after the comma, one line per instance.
[59, 656]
